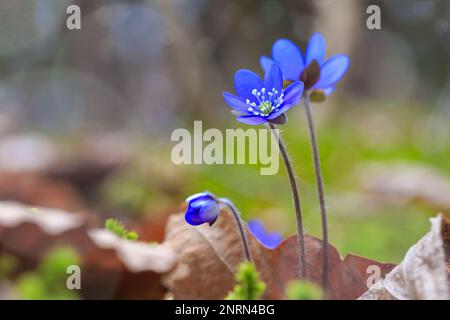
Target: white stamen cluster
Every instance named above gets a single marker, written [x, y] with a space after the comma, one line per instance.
[268, 101]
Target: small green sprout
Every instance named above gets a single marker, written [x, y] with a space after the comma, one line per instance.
[118, 228]
[48, 281]
[248, 284]
[303, 290]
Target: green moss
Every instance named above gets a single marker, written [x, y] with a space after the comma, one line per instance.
[248, 284]
[49, 280]
[119, 229]
[303, 290]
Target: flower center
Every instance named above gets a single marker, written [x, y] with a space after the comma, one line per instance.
[267, 101]
[265, 107]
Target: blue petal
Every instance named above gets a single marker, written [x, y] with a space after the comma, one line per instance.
[269, 240]
[292, 96]
[332, 71]
[274, 78]
[199, 196]
[235, 102]
[272, 240]
[283, 109]
[293, 93]
[256, 228]
[210, 212]
[316, 49]
[266, 63]
[203, 208]
[289, 58]
[198, 203]
[192, 217]
[202, 202]
[244, 82]
[252, 120]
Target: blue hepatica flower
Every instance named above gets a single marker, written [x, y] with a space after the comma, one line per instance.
[318, 75]
[202, 208]
[270, 240]
[259, 101]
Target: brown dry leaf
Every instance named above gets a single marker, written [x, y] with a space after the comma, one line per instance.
[409, 183]
[111, 267]
[51, 221]
[106, 277]
[137, 256]
[123, 269]
[29, 233]
[208, 257]
[36, 190]
[424, 272]
[152, 229]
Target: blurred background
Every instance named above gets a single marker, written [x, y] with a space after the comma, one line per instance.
[86, 115]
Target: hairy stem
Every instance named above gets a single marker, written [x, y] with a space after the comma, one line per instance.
[296, 199]
[236, 214]
[320, 192]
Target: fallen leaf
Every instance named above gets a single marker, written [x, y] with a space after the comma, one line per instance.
[51, 221]
[424, 272]
[151, 225]
[112, 268]
[105, 276]
[123, 269]
[28, 233]
[347, 278]
[208, 257]
[37, 190]
[137, 256]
